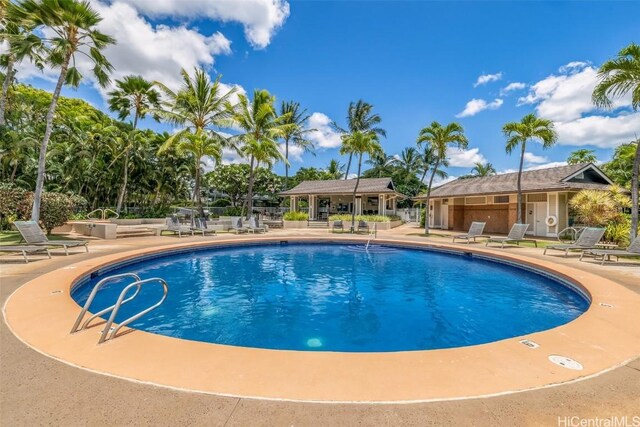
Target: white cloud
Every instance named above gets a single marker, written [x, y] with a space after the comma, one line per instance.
[532, 158]
[511, 87]
[487, 78]
[546, 166]
[437, 182]
[324, 136]
[260, 18]
[565, 98]
[475, 106]
[295, 152]
[465, 158]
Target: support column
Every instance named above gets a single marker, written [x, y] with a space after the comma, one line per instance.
[312, 207]
[358, 206]
[294, 204]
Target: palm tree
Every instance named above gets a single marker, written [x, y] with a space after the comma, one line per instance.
[518, 133]
[439, 138]
[199, 107]
[360, 143]
[334, 170]
[360, 119]
[381, 164]
[582, 156]
[72, 26]
[428, 159]
[133, 96]
[618, 77]
[483, 170]
[261, 127]
[410, 161]
[295, 133]
[22, 44]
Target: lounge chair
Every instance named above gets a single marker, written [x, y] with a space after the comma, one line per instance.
[24, 250]
[34, 236]
[174, 226]
[363, 226]
[474, 232]
[588, 239]
[632, 251]
[253, 227]
[516, 235]
[238, 227]
[337, 225]
[200, 226]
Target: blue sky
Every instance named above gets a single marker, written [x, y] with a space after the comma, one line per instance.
[414, 61]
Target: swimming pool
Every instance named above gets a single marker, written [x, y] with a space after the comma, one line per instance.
[337, 297]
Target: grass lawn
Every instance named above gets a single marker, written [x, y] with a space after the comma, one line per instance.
[8, 238]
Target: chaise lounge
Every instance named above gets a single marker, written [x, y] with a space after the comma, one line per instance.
[516, 235]
[475, 231]
[24, 250]
[587, 240]
[633, 251]
[34, 236]
[200, 226]
[174, 226]
[253, 227]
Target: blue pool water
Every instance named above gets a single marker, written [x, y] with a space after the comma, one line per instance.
[340, 298]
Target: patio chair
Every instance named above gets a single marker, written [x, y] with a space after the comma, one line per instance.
[363, 226]
[587, 240]
[174, 226]
[24, 250]
[633, 251]
[253, 227]
[337, 225]
[474, 232]
[238, 227]
[34, 236]
[200, 226]
[516, 235]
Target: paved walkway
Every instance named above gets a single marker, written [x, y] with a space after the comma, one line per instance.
[37, 390]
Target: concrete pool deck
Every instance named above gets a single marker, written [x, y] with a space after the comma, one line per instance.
[613, 393]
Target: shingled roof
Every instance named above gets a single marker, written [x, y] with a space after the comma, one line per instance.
[560, 178]
[343, 186]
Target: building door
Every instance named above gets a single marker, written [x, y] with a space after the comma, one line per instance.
[444, 215]
[540, 215]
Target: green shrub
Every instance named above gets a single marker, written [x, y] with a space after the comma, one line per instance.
[55, 210]
[295, 216]
[618, 232]
[221, 203]
[235, 211]
[423, 215]
[14, 205]
[368, 218]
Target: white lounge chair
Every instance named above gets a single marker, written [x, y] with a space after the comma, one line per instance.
[174, 226]
[633, 251]
[34, 236]
[516, 235]
[200, 226]
[337, 225]
[238, 227]
[475, 231]
[588, 239]
[24, 250]
[253, 227]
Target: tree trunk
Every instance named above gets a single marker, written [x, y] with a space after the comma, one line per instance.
[125, 178]
[346, 174]
[5, 90]
[634, 192]
[13, 173]
[426, 208]
[37, 195]
[250, 192]
[424, 174]
[519, 187]
[196, 191]
[286, 164]
[355, 190]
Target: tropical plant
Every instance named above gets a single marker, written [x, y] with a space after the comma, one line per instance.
[334, 170]
[597, 208]
[199, 107]
[582, 155]
[620, 167]
[359, 144]
[133, 96]
[618, 77]
[410, 161]
[439, 138]
[295, 133]
[381, 165]
[360, 118]
[260, 128]
[517, 134]
[480, 169]
[72, 25]
[295, 216]
[233, 180]
[428, 159]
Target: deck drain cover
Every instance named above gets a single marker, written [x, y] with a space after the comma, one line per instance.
[56, 292]
[604, 304]
[565, 362]
[530, 344]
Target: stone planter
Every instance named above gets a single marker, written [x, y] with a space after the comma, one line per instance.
[294, 224]
[137, 221]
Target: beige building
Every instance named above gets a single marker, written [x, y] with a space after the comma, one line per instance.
[375, 196]
[493, 199]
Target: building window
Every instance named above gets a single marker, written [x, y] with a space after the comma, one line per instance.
[538, 197]
[479, 200]
[500, 199]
